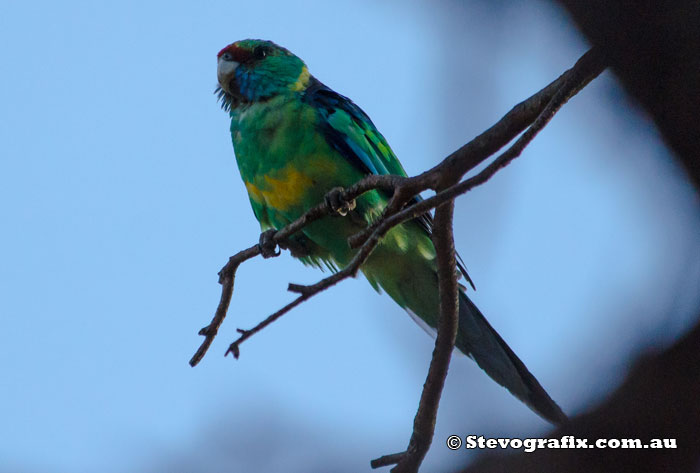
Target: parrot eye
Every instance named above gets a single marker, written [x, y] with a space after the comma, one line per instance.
[260, 52]
[227, 57]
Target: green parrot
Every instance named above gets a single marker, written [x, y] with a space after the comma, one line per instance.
[296, 139]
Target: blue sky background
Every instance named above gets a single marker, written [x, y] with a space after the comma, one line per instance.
[120, 201]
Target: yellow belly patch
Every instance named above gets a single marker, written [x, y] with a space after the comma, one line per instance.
[281, 192]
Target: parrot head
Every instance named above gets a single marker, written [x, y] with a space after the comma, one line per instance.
[254, 70]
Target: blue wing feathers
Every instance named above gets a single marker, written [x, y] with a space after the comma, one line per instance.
[351, 132]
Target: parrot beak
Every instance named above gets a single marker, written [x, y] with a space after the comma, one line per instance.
[224, 73]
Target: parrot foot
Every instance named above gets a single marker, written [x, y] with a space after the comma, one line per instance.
[335, 200]
[268, 247]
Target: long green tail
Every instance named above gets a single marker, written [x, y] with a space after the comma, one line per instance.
[477, 339]
[409, 277]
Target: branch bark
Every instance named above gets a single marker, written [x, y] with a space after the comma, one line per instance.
[424, 422]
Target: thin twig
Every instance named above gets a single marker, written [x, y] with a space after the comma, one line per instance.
[227, 277]
[233, 348]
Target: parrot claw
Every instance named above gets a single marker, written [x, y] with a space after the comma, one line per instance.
[268, 247]
[334, 199]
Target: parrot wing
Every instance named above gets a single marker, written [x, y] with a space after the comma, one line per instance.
[351, 132]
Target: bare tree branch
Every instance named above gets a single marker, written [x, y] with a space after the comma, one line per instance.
[424, 422]
[227, 277]
[533, 114]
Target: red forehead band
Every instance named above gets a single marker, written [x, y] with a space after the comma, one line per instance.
[227, 48]
[238, 54]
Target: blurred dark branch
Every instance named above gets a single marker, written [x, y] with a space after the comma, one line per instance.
[653, 48]
[531, 115]
[659, 399]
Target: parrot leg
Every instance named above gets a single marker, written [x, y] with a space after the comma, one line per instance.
[334, 199]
